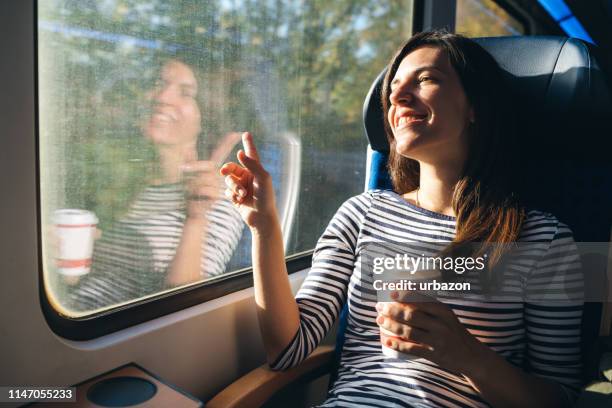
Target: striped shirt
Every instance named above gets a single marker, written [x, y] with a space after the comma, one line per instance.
[541, 336]
[132, 258]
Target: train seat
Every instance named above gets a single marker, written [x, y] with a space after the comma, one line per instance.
[564, 108]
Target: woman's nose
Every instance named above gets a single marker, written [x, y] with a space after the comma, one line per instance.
[401, 96]
[163, 95]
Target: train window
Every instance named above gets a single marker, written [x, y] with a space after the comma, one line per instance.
[139, 102]
[484, 18]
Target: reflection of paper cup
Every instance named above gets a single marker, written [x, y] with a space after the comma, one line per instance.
[75, 231]
[408, 295]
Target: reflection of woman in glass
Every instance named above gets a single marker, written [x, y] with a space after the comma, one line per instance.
[442, 99]
[179, 229]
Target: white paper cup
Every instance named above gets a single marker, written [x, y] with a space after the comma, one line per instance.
[75, 231]
[417, 277]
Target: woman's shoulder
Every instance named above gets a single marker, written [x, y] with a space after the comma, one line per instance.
[361, 203]
[370, 196]
[542, 226]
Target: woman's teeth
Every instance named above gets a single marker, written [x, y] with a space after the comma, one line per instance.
[410, 118]
[162, 117]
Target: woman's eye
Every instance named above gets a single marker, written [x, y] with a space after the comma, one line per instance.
[188, 93]
[425, 79]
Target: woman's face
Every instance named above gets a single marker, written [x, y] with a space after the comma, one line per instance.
[429, 111]
[175, 116]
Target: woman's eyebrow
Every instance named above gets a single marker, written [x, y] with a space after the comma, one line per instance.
[188, 86]
[426, 68]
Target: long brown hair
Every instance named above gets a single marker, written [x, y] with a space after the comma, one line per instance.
[485, 199]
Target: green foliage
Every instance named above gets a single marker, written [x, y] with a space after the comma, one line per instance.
[273, 65]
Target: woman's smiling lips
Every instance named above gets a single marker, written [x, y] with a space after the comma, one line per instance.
[161, 117]
[409, 118]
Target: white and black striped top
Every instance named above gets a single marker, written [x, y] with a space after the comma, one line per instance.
[131, 259]
[542, 337]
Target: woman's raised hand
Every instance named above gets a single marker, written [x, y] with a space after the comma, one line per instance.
[202, 182]
[249, 187]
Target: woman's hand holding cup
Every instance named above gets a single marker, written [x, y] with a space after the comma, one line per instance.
[427, 329]
[249, 187]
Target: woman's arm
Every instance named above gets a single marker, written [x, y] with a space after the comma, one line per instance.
[293, 328]
[504, 385]
[186, 265]
[277, 309]
[250, 189]
[203, 187]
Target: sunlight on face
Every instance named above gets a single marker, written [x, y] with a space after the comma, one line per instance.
[429, 111]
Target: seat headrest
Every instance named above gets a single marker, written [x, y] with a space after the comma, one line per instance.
[553, 75]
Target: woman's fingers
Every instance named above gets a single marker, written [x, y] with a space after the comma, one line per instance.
[248, 158]
[405, 314]
[249, 146]
[234, 184]
[199, 173]
[416, 349]
[430, 306]
[403, 331]
[198, 167]
[205, 193]
[409, 324]
[425, 303]
[233, 169]
[235, 199]
[251, 164]
[225, 147]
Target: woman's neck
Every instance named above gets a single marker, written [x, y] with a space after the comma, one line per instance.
[436, 187]
[171, 158]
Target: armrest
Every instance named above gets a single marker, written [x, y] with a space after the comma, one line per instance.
[256, 387]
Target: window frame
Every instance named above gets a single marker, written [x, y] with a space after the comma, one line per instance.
[115, 319]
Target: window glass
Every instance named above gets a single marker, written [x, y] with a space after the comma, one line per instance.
[484, 18]
[139, 102]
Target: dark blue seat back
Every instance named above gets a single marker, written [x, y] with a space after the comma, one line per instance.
[564, 115]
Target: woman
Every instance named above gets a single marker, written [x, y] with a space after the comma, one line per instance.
[179, 229]
[443, 120]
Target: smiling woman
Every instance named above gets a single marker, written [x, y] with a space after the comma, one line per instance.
[429, 112]
[444, 120]
[175, 116]
[464, 142]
